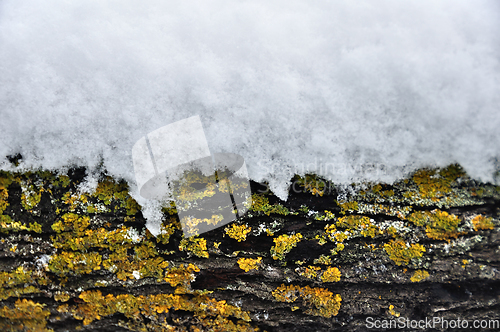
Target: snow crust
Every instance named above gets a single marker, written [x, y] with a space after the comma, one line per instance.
[351, 90]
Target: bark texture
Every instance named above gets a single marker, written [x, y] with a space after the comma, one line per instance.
[328, 259]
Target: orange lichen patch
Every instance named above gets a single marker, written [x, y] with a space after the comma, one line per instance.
[195, 245]
[393, 312]
[75, 263]
[238, 232]
[20, 281]
[419, 275]
[248, 264]
[99, 238]
[25, 316]
[481, 222]
[73, 200]
[322, 301]
[61, 296]
[141, 265]
[439, 225]
[402, 253]
[182, 275]
[138, 307]
[359, 224]
[334, 235]
[332, 274]
[310, 272]
[72, 222]
[283, 244]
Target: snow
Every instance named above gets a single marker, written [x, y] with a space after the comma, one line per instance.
[354, 91]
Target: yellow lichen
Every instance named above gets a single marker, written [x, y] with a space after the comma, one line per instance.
[25, 316]
[310, 272]
[75, 263]
[350, 206]
[359, 224]
[238, 232]
[96, 305]
[332, 274]
[260, 203]
[7, 225]
[30, 196]
[393, 312]
[248, 264]
[439, 225]
[311, 183]
[72, 222]
[322, 301]
[325, 260]
[327, 216]
[195, 245]
[61, 296]
[283, 244]
[482, 223]
[433, 184]
[419, 275]
[191, 224]
[6, 179]
[402, 253]
[182, 275]
[116, 194]
[20, 281]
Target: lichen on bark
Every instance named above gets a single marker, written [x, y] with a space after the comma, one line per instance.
[86, 260]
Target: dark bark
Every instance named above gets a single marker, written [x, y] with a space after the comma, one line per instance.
[458, 228]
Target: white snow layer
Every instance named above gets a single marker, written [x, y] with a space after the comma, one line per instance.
[352, 90]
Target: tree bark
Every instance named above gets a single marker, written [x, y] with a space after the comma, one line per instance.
[426, 247]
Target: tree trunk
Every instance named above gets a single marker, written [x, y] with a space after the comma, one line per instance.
[426, 247]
